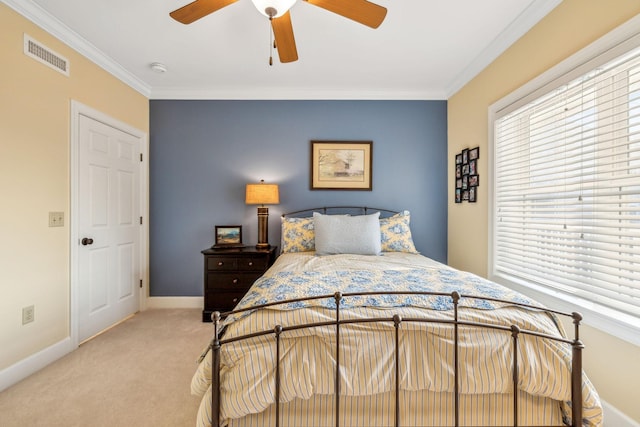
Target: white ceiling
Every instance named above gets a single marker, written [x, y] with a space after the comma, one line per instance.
[425, 49]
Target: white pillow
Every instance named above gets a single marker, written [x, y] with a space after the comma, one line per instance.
[340, 234]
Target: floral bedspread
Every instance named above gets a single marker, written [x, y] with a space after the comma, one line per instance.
[288, 285]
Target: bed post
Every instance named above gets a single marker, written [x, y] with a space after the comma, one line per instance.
[514, 333]
[576, 373]
[215, 372]
[338, 298]
[277, 330]
[455, 296]
[396, 323]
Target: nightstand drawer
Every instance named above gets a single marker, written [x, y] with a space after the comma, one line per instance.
[239, 281]
[222, 263]
[224, 301]
[253, 264]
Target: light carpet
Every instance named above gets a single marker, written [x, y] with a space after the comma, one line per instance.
[135, 374]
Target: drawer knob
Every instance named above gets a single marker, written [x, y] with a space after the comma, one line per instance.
[220, 263]
[235, 281]
[235, 300]
[250, 263]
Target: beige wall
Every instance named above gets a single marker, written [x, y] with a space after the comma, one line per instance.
[34, 179]
[573, 25]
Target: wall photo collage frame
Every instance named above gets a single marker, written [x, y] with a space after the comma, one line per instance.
[467, 178]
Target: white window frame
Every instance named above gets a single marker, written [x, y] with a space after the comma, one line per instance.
[610, 46]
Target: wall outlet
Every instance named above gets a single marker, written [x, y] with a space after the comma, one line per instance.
[28, 314]
[56, 219]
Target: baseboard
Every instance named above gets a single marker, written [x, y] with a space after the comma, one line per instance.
[613, 417]
[175, 302]
[32, 364]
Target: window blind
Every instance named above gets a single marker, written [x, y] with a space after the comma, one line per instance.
[567, 187]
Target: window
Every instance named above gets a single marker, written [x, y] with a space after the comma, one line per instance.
[566, 202]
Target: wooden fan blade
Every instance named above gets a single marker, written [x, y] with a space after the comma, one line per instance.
[361, 11]
[285, 42]
[198, 9]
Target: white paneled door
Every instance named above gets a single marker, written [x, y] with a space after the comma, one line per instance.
[108, 226]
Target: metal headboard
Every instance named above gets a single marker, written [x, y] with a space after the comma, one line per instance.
[337, 209]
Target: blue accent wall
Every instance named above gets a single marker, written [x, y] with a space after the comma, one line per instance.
[202, 153]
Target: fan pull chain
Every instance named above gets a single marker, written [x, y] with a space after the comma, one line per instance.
[272, 43]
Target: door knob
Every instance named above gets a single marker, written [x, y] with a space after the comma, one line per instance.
[86, 241]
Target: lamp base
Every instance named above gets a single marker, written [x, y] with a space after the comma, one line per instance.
[263, 228]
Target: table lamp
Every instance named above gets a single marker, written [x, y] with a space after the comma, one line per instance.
[262, 194]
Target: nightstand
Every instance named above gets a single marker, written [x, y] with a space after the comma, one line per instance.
[229, 273]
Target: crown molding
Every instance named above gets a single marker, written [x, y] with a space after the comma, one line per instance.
[298, 93]
[56, 28]
[523, 23]
[536, 10]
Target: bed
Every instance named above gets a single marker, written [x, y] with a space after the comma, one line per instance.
[352, 327]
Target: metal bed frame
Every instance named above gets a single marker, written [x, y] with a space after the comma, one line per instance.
[277, 331]
[576, 345]
[346, 209]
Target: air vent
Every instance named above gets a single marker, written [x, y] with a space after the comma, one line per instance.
[46, 56]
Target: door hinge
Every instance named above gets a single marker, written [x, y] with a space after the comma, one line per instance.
[141, 283]
[140, 220]
[140, 156]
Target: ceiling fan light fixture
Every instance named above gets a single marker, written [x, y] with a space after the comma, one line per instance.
[273, 8]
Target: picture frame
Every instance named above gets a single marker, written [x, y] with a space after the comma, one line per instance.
[473, 194]
[467, 178]
[341, 165]
[474, 153]
[228, 236]
[473, 167]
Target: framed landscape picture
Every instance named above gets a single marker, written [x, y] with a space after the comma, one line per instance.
[228, 236]
[341, 165]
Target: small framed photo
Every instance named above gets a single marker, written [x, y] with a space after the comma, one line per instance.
[459, 183]
[458, 171]
[458, 195]
[473, 194]
[473, 167]
[228, 236]
[459, 159]
[474, 153]
[465, 156]
[473, 181]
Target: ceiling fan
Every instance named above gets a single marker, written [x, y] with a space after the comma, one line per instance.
[277, 11]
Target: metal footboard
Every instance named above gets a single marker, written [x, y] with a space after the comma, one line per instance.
[516, 332]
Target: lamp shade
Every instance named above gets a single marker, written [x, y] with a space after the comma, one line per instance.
[280, 6]
[262, 194]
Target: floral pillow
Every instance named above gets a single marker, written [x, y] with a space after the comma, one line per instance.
[395, 234]
[297, 235]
